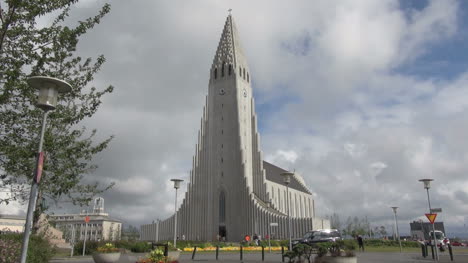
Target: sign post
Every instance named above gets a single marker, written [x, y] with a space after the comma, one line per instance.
[86, 219]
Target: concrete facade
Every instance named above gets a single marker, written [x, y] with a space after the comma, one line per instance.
[230, 184]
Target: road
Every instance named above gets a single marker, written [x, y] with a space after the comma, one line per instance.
[363, 257]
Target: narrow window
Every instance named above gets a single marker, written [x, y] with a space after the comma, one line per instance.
[222, 146]
[216, 73]
[222, 105]
[243, 73]
[222, 70]
[222, 174]
[248, 77]
[230, 69]
[240, 71]
[222, 131]
[221, 159]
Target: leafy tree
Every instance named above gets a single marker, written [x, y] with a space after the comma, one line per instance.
[27, 49]
[382, 231]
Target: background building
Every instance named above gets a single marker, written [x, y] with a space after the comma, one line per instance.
[233, 192]
[420, 230]
[100, 226]
[11, 223]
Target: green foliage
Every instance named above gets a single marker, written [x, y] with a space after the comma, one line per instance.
[91, 247]
[336, 248]
[300, 252]
[27, 49]
[156, 255]
[134, 246]
[39, 249]
[389, 243]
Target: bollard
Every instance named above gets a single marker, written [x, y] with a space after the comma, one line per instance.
[423, 251]
[194, 251]
[426, 250]
[241, 256]
[282, 254]
[432, 249]
[450, 251]
[263, 253]
[217, 252]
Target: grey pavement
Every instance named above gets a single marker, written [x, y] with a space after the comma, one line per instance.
[363, 257]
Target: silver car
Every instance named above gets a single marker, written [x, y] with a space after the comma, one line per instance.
[320, 235]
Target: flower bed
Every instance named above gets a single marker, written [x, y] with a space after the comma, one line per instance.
[232, 248]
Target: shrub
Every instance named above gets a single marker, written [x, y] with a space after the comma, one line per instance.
[39, 249]
[389, 243]
[91, 246]
[140, 247]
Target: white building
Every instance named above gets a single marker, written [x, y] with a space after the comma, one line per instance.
[230, 183]
[100, 226]
[12, 223]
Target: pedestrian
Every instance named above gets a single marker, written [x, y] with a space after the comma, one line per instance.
[255, 239]
[360, 243]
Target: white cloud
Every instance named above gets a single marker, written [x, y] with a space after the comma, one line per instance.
[344, 111]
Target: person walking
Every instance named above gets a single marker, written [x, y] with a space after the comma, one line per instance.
[360, 243]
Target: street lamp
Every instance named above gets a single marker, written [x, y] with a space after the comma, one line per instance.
[49, 88]
[396, 225]
[176, 186]
[427, 185]
[268, 204]
[287, 181]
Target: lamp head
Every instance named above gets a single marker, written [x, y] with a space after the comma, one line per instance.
[394, 209]
[287, 177]
[49, 88]
[427, 183]
[177, 183]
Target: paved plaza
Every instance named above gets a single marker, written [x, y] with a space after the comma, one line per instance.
[367, 257]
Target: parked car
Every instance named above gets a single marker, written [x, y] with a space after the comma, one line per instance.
[442, 241]
[456, 244]
[320, 235]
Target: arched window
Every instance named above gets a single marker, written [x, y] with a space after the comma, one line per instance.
[222, 70]
[222, 207]
[230, 69]
[216, 73]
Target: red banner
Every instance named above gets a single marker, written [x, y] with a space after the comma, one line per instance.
[40, 165]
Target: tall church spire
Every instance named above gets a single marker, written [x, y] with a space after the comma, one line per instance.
[229, 49]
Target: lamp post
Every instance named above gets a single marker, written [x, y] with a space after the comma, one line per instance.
[287, 180]
[427, 185]
[176, 186]
[396, 225]
[49, 88]
[268, 226]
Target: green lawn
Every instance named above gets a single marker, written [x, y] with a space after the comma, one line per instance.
[392, 249]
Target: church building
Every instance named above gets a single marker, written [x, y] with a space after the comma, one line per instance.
[232, 191]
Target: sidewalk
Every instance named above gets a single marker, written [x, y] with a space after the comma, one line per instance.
[363, 257]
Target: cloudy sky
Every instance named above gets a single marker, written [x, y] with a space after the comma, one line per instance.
[363, 98]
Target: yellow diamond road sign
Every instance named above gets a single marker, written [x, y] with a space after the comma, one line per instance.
[431, 217]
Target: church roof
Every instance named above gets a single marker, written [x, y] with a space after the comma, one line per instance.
[273, 173]
[229, 48]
